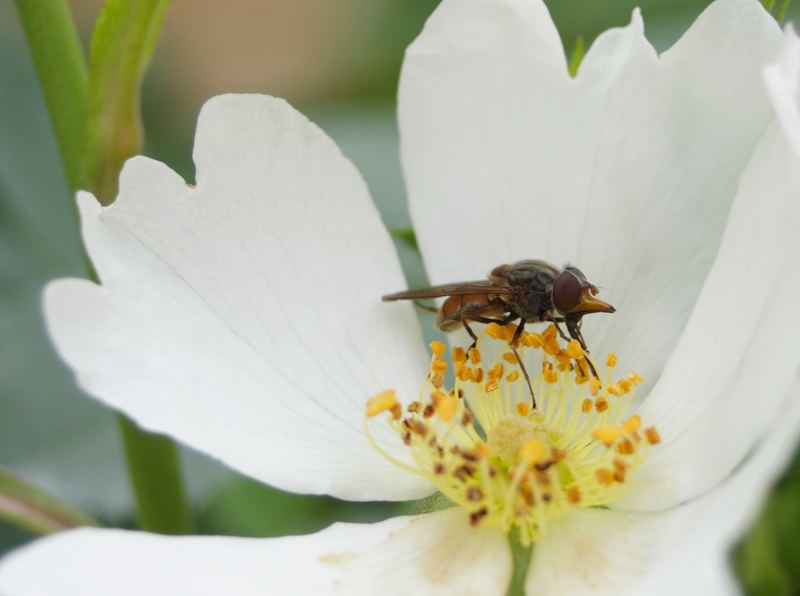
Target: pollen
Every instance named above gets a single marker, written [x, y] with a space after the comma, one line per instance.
[382, 402]
[574, 349]
[506, 464]
[438, 348]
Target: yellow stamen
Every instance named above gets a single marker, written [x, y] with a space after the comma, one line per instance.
[607, 434]
[532, 340]
[482, 450]
[438, 366]
[533, 451]
[447, 407]
[632, 424]
[474, 356]
[459, 355]
[652, 435]
[574, 349]
[604, 476]
[438, 348]
[383, 402]
[611, 360]
[508, 465]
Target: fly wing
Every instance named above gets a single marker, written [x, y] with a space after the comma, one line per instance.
[454, 289]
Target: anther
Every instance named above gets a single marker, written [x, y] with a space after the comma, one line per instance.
[652, 435]
[438, 348]
[459, 355]
[474, 356]
[383, 402]
[574, 349]
[607, 434]
[632, 424]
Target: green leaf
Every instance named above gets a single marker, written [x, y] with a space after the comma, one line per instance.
[577, 56]
[782, 10]
[122, 44]
[29, 507]
[768, 558]
[248, 508]
[60, 64]
[768, 4]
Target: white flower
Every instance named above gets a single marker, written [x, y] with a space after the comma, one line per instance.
[242, 315]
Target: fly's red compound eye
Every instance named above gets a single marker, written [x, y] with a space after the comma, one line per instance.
[566, 292]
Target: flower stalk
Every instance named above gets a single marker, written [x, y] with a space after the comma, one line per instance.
[96, 117]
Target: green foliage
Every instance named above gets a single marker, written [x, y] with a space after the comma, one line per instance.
[768, 558]
[248, 508]
[57, 54]
[122, 44]
[781, 14]
[577, 56]
[29, 507]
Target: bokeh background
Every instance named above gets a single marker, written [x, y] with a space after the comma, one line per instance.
[337, 61]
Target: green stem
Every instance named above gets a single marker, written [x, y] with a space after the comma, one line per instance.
[97, 122]
[154, 468]
[30, 508]
[521, 557]
[122, 44]
[58, 57]
[123, 40]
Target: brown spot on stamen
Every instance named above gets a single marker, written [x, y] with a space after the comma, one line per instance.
[476, 516]
[474, 494]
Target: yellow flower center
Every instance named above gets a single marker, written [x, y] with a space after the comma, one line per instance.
[510, 465]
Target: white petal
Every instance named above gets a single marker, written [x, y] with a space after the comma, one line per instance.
[727, 381]
[243, 316]
[432, 554]
[119, 562]
[783, 83]
[681, 551]
[506, 157]
[435, 554]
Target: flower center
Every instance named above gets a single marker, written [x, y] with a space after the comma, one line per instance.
[510, 465]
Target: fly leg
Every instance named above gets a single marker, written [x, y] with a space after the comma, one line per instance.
[574, 328]
[514, 343]
[471, 334]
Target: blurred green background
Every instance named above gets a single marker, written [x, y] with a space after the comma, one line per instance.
[337, 61]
